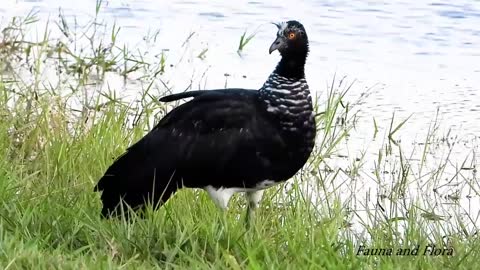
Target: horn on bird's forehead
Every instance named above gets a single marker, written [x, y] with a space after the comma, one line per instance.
[276, 24]
[281, 26]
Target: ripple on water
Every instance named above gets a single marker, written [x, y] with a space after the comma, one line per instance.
[121, 12]
[212, 14]
[453, 14]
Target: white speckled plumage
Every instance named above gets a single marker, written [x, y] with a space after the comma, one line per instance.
[290, 99]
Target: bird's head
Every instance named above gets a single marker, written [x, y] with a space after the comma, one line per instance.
[291, 38]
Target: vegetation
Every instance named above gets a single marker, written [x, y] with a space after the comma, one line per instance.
[244, 40]
[61, 126]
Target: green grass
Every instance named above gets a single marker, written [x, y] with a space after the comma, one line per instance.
[244, 40]
[55, 149]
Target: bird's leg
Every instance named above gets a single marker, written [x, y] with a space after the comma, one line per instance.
[254, 198]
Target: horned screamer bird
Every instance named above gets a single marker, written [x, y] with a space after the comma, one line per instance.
[223, 141]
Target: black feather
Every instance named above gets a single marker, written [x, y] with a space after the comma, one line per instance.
[197, 93]
[178, 96]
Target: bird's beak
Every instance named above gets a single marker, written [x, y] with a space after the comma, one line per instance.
[277, 44]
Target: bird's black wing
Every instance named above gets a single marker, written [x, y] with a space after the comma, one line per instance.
[220, 138]
[210, 93]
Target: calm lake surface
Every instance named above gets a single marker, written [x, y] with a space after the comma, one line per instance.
[417, 56]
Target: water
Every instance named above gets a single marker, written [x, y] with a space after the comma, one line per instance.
[420, 56]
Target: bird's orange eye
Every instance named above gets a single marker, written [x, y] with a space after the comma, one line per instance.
[291, 35]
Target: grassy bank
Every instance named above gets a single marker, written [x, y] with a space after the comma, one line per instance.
[59, 133]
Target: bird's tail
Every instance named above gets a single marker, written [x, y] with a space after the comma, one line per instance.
[134, 181]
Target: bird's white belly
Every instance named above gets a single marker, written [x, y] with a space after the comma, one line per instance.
[222, 195]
